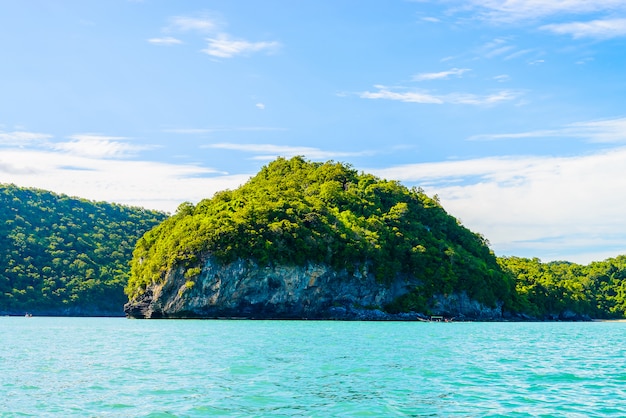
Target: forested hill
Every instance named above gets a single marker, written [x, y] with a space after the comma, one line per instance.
[557, 289]
[65, 256]
[296, 212]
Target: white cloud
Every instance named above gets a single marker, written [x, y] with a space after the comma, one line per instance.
[140, 183]
[203, 24]
[97, 146]
[562, 207]
[407, 96]
[451, 98]
[600, 29]
[167, 40]
[600, 131]
[260, 106]
[20, 138]
[490, 99]
[223, 46]
[515, 10]
[271, 151]
[441, 75]
[193, 131]
[220, 43]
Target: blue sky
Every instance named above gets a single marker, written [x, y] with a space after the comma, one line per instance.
[512, 112]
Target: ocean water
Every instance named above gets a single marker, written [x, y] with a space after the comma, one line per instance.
[105, 367]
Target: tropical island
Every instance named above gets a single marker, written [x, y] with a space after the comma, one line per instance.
[299, 240]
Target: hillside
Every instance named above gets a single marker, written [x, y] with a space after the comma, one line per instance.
[559, 289]
[65, 256]
[296, 213]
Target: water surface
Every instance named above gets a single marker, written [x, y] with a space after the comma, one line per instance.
[113, 367]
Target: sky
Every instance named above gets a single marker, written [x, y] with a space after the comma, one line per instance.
[512, 112]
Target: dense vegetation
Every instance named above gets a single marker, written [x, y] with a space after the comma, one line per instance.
[296, 212]
[547, 289]
[62, 255]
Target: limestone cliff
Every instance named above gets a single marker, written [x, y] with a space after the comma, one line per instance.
[242, 289]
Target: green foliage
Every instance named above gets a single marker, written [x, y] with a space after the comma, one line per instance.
[294, 212]
[59, 253]
[597, 290]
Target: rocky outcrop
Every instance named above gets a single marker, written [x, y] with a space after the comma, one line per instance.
[460, 306]
[242, 289]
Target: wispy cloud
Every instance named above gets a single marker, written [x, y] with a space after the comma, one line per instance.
[477, 100]
[458, 72]
[223, 46]
[404, 96]
[167, 40]
[203, 23]
[450, 98]
[194, 131]
[271, 151]
[600, 131]
[516, 10]
[20, 138]
[599, 29]
[98, 146]
[220, 44]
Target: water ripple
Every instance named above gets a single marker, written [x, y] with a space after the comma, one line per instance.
[95, 367]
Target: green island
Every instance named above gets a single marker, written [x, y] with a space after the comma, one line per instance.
[299, 239]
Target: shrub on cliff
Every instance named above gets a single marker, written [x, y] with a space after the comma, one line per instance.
[296, 212]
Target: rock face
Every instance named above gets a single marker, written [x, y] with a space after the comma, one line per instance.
[460, 306]
[244, 290]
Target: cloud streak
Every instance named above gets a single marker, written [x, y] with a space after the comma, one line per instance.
[516, 10]
[20, 138]
[422, 97]
[220, 44]
[599, 29]
[271, 151]
[166, 40]
[98, 146]
[202, 24]
[458, 72]
[223, 46]
[601, 131]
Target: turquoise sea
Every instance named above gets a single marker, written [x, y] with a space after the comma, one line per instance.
[113, 367]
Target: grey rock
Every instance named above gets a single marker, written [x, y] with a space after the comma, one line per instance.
[461, 306]
[243, 289]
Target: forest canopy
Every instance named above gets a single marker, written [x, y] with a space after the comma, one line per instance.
[63, 255]
[597, 290]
